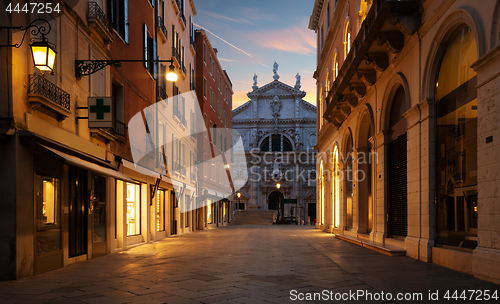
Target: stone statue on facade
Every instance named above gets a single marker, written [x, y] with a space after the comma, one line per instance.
[254, 86]
[297, 82]
[275, 71]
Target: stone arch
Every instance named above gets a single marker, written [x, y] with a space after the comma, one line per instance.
[495, 26]
[393, 85]
[363, 123]
[266, 137]
[464, 15]
[365, 189]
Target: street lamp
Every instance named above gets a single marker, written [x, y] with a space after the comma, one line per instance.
[278, 185]
[43, 52]
[171, 75]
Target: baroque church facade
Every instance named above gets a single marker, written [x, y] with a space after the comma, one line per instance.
[278, 129]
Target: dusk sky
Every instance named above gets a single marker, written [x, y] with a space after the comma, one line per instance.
[251, 35]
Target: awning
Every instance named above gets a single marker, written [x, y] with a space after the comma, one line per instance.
[88, 165]
[140, 169]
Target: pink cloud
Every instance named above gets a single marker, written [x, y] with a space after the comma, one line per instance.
[293, 40]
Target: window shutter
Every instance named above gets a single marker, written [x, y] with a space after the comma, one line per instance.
[155, 64]
[145, 45]
[125, 15]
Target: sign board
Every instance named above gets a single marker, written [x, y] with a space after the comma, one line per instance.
[100, 112]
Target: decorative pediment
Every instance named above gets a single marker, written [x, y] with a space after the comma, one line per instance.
[270, 90]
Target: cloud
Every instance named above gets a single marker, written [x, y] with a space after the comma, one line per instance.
[225, 18]
[230, 44]
[227, 60]
[292, 40]
[239, 98]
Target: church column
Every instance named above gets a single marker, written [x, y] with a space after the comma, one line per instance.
[281, 142]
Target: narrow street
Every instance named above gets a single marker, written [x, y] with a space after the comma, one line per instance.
[237, 264]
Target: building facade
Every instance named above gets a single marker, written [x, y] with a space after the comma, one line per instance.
[215, 97]
[407, 98]
[278, 131]
[75, 189]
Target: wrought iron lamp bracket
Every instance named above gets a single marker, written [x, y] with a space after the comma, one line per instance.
[41, 30]
[89, 67]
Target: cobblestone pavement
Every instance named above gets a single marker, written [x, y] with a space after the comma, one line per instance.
[239, 264]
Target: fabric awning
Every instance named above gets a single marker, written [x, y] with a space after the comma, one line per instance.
[140, 169]
[88, 165]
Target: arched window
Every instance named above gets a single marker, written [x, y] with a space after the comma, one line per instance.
[335, 65]
[336, 187]
[277, 143]
[456, 150]
[347, 38]
[363, 10]
[349, 175]
[397, 202]
[327, 81]
[320, 107]
[321, 193]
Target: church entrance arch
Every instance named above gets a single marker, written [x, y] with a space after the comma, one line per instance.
[274, 199]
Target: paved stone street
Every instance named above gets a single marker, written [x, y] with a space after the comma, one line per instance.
[237, 264]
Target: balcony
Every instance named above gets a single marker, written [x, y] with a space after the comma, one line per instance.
[45, 94]
[383, 34]
[163, 29]
[99, 21]
[179, 169]
[120, 129]
[192, 43]
[162, 93]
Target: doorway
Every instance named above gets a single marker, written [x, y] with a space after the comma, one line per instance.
[78, 211]
[274, 199]
[99, 216]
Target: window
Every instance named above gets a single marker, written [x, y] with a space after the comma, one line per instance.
[48, 224]
[321, 33]
[204, 53]
[456, 139]
[160, 210]
[209, 212]
[149, 52]
[327, 81]
[328, 16]
[347, 38]
[336, 188]
[335, 66]
[364, 6]
[277, 142]
[118, 14]
[204, 87]
[133, 209]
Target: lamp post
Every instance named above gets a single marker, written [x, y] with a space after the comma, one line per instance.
[278, 186]
[239, 196]
[42, 51]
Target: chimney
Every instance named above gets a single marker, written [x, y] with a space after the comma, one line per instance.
[215, 50]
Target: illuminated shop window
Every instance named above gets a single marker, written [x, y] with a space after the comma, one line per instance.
[133, 209]
[456, 97]
[160, 210]
[209, 212]
[48, 236]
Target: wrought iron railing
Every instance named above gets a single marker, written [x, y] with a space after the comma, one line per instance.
[120, 129]
[95, 11]
[178, 168]
[162, 93]
[162, 27]
[40, 85]
[193, 176]
[192, 41]
[176, 54]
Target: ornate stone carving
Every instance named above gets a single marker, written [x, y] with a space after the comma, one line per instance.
[297, 82]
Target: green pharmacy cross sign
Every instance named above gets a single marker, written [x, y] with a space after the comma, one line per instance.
[100, 112]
